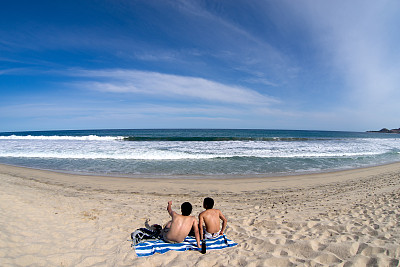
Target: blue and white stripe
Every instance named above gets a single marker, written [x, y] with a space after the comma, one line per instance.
[149, 248]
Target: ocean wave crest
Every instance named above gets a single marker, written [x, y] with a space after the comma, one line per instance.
[212, 138]
[60, 137]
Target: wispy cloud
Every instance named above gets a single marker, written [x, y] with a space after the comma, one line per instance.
[360, 39]
[7, 71]
[170, 86]
[232, 39]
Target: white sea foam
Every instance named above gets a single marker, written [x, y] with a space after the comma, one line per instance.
[70, 147]
[58, 137]
[109, 154]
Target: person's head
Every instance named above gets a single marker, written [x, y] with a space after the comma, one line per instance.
[208, 203]
[186, 208]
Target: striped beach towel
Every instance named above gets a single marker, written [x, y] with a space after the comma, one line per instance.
[149, 248]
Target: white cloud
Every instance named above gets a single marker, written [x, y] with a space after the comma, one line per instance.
[170, 86]
[10, 71]
[361, 38]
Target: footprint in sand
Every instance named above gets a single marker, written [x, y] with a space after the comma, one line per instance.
[315, 245]
[371, 251]
[298, 236]
[278, 241]
[365, 249]
[280, 253]
[312, 224]
[361, 260]
[277, 261]
[328, 259]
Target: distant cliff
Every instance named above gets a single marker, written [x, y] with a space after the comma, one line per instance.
[385, 130]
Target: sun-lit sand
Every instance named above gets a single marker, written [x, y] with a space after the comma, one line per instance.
[348, 218]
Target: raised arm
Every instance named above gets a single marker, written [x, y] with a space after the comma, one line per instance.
[169, 208]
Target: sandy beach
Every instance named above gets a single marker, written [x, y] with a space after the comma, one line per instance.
[346, 218]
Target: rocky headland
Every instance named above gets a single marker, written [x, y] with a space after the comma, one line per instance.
[385, 130]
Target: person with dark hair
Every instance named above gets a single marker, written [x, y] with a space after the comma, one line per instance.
[211, 219]
[186, 208]
[176, 230]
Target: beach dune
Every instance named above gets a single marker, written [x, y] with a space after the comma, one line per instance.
[346, 218]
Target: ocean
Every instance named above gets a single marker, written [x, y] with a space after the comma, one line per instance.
[191, 153]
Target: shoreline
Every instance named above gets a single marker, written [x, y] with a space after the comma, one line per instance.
[204, 177]
[344, 218]
[56, 177]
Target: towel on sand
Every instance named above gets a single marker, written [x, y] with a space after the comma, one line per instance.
[160, 246]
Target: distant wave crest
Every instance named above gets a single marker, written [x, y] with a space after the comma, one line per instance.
[60, 137]
[155, 139]
[212, 138]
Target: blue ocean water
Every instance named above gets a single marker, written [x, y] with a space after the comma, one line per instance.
[197, 152]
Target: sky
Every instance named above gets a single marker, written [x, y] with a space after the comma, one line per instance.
[309, 65]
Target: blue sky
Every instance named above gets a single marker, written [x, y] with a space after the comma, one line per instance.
[324, 65]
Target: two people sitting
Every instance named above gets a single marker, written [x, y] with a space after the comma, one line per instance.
[176, 230]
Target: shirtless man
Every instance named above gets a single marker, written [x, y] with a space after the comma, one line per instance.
[176, 230]
[211, 218]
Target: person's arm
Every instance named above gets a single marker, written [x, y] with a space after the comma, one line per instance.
[201, 221]
[222, 217]
[196, 232]
[169, 208]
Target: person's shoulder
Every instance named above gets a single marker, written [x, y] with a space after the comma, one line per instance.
[209, 212]
[202, 213]
[174, 214]
[217, 212]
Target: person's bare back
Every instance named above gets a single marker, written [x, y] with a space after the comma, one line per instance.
[211, 219]
[176, 230]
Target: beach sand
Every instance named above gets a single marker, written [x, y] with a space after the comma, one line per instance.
[347, 218]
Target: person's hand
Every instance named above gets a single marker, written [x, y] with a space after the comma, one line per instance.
[221, 233]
